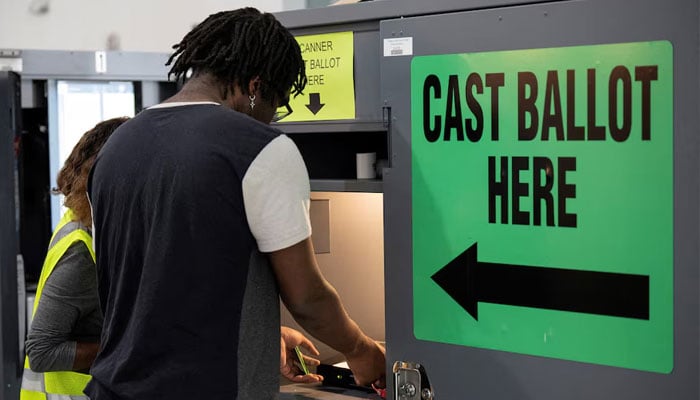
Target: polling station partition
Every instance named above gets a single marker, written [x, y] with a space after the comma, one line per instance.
[541, 209]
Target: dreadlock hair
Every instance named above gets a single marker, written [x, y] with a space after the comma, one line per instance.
[236, 46]
[73, 176]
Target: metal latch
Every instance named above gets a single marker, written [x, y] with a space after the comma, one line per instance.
[411, 382]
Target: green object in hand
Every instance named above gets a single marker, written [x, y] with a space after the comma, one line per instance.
[301, 360]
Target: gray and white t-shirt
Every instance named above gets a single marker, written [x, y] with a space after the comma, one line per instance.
[186, 200]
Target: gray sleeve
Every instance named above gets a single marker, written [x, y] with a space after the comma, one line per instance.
[68, 291]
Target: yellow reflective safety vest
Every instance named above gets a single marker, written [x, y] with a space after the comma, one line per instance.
[63, 385]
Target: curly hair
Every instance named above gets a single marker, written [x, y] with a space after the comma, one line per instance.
[72, 178]
[236, 46]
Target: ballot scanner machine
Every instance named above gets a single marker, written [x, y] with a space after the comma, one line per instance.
[540, 189]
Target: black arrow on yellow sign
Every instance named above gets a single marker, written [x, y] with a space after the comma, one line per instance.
[469, 281]
[315, 104]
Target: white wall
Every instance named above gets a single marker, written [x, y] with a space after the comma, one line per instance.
[142, 25]
[355, 263]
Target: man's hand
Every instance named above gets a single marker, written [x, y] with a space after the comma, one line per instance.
[289, 366]
[367, 363]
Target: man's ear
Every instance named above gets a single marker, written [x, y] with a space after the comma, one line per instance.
[253, 85]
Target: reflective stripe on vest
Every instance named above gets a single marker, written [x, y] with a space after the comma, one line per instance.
[31, 380]
[29, 395]
[53, 396]
[64, 385]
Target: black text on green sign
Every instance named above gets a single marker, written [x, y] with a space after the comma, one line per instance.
[546, 110]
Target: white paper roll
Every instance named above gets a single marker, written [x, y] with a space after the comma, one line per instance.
[365, 165]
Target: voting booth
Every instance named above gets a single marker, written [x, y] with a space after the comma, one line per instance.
[540, 192]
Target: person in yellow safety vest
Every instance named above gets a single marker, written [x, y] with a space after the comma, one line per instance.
[63, 339]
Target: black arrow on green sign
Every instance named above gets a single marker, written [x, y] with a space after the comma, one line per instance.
[469, 281]
[315, 104]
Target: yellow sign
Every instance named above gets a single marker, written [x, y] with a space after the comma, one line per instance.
[330, 91]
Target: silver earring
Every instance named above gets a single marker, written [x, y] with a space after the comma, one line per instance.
[252, 102]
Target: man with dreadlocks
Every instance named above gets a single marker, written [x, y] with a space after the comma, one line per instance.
[201, 225]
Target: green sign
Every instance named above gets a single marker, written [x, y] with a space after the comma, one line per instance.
[543, 202]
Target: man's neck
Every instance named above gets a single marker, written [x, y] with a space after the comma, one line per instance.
[200, 88]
